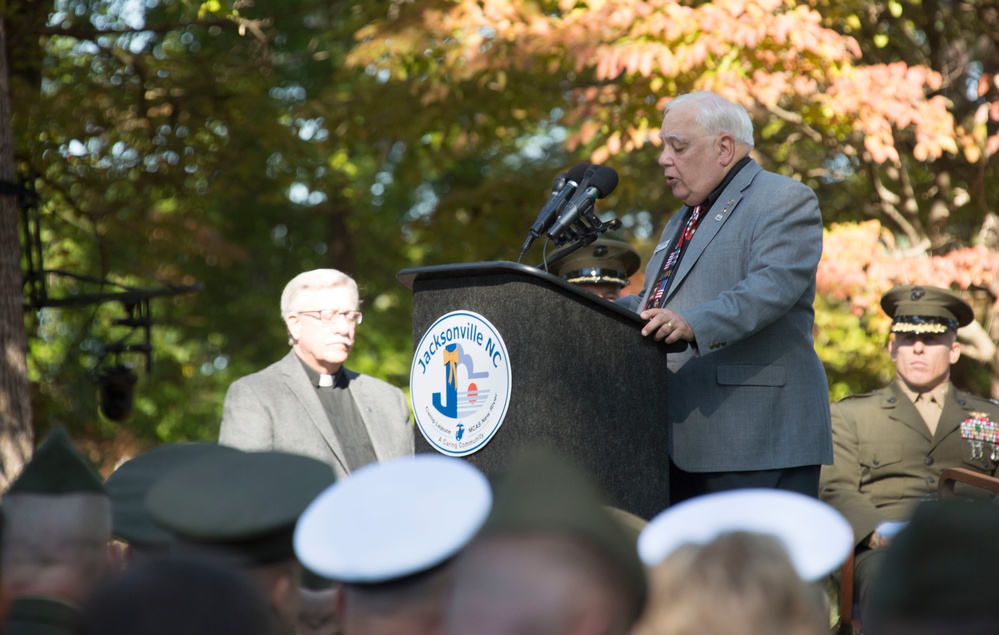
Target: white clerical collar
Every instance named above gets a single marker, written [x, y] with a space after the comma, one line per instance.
[325, 381]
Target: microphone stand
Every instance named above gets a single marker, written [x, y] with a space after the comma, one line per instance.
[584, 231]
[583, 242]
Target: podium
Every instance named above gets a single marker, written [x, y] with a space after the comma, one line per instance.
[582, 377]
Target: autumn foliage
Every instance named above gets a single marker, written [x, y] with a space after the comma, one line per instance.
[815, 96]
[765, 54]
[861, 261]
[235, 144]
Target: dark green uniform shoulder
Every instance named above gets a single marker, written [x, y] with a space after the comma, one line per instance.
[862, 395]
[974, 402]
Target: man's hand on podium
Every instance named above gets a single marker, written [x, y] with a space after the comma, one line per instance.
[666, 326]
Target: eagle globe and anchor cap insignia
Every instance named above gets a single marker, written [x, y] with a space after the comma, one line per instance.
[460, 383]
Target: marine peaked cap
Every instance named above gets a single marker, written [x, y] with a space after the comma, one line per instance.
[605, 261]
[244, 504]
[127, 487]
[924, 309]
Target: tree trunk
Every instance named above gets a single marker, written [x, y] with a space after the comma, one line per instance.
[339, 237]
[16, 435]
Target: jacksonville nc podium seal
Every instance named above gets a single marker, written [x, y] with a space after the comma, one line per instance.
[460, 383]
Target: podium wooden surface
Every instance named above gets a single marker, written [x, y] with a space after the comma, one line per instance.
[583, 379]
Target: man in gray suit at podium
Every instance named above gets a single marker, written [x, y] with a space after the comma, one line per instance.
[734, 276]
[308, 403]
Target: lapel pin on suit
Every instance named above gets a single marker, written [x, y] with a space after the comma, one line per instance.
[720, 215]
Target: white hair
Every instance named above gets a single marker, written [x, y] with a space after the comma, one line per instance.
[718, 115]
[315, 279]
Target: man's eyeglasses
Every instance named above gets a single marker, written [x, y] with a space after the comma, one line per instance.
[329, 316]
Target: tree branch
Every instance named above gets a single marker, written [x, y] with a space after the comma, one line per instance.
[90, 33]
[887, 203]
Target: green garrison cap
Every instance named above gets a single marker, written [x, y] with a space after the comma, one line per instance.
[242, 503]
[923, 309]
[938, 573]
[127, 487]
[605, 261]
[542, 489]
[57, 467]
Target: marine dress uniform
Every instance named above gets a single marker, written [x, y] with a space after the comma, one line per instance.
[886, 459]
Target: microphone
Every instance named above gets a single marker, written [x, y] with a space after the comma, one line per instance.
[563, 188]
[558, 183]
[584, 181]
[601, 183]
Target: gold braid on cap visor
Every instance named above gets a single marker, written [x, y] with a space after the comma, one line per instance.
[919, 324]
[596, 276]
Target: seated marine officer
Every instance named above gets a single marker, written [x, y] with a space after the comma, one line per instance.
[890, 445]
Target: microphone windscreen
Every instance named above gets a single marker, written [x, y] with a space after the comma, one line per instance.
[604, 180]
[577, 172]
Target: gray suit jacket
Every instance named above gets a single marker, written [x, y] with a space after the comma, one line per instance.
[751, 394]
[277, 408]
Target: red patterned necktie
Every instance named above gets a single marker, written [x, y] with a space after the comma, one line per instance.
[658, 294]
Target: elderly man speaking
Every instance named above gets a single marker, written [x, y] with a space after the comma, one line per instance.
[734, 276]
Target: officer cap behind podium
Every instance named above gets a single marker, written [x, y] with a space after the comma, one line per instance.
[924, 309]
[605, 261]
[243, 505]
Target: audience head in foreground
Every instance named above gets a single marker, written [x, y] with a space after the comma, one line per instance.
[938, 574]
[551, 559]
[737, 583]
[242, 507]
[171, 594]
[389, 535]
[56, 528]
[128, 485]
[743, 561]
